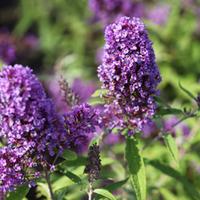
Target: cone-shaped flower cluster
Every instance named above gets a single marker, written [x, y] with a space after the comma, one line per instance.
[93, 166]
[129, 72]
[81, 123]
[32, 130]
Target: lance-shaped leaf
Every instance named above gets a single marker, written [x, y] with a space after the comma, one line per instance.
[187, 92]
[136, 168]
[169, 171]
[171, 146]
[117, 185]
[105, 193]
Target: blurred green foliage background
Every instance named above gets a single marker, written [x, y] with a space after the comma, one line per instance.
[68, 42]
[68, 38]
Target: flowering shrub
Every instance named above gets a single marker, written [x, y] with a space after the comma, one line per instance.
[126, 133]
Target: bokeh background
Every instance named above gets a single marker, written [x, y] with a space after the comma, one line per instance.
[65, 38]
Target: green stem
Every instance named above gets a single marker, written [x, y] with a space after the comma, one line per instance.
[47, 177]
[90, 191]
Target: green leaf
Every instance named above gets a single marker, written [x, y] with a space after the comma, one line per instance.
[187, 92]
[60, 193]
[96, 98]
[19, 193]
[136, 168]
[167, 194]
[171, 146]
[105, 193]
[80, 161]
[107, 161]
[69, 155]
[169, 111]
[161, 102]
[43, 190]
[96, 101]
[169, 171]
[99, 93]
[73, 177]
[114, 186]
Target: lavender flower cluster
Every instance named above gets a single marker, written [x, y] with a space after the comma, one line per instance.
[81, 123]
[129, 73]
[30, 127]
[32, 132]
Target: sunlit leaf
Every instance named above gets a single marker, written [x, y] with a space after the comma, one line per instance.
[19, 193]
[73, 177]
[171, 146]
[136, 168]
[105, 193]
[60, 194]
[117, 185]
[187, 91]
[99, 93]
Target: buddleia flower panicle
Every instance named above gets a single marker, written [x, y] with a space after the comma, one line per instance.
[33, 131]
[129, 73]
[93, 166]
[81, 124]
[69, 96]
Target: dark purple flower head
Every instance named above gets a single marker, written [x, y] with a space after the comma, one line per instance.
[107, 11]
[29, 123]
[7, 48]
[93, 166]
[129, 71]
[81, 124]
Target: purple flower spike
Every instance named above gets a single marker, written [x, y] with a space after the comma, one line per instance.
[129, 71]
[81, 123]
[28, 116]
[29, 125]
